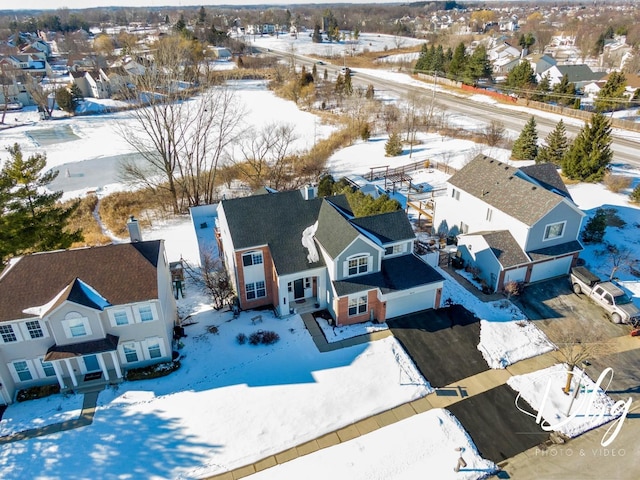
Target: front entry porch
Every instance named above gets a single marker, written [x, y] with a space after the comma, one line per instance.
[88, 365]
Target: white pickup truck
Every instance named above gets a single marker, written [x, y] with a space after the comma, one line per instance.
[612, 298]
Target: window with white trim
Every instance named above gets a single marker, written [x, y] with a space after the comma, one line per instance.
[153, 347]
[130, 352]
[120, 317]
[75, 325]
[554, 230]
[146, 314]
[35, 329]
[252, 258]
[358, 265]
[255, 290]
[357, 305]
[22, 370]
[7, 333]
[47, 368]
[394, 249]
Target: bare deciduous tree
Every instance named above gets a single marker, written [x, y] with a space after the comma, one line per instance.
[576, 348]
[39, 94]
[216, 281]
[494, 133]
[180, 139]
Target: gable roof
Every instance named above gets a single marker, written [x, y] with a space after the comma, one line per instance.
[386, 227]
[276, 220]
[579, 73]
[334, 232]
[547, 175]
[506, 188]
[118, 274]
[505, 248]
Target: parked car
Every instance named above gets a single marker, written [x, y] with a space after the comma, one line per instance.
[608, 295]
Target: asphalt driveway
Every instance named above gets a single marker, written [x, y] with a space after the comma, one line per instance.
[442, 353]
[498, 429]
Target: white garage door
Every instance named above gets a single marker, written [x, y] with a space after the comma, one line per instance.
[410, 303]
[515, 275]
[550, 269]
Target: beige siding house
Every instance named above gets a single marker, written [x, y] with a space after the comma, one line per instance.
[83, 317]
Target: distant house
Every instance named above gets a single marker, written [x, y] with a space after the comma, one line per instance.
[83, 317]
[540, 63]
[580, 75]
[298, 253]
[512, 224]
[504, 58]
[92, 83]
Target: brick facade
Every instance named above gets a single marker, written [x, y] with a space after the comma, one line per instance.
[373, 303]
[270, 282]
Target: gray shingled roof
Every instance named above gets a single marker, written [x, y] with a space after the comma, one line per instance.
[556, 250]
[579, 73]
[547, 175]
[334, 233]
[276, 220]
[398, 273]
[387, 227]
[499, 185]
[505, 248]
[122, 273]
[59, 352]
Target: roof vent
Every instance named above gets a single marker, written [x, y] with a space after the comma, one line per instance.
[511, 177]
[533, 188]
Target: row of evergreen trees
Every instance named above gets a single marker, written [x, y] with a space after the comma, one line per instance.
[456, 65]
[31, 219]
[586, 159]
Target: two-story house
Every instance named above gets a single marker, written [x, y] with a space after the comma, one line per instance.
[84, 315]
[291, 251]
[512, 224]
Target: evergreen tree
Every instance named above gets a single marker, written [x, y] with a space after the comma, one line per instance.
[348, 86]
[526, 146]
[325, 186]
[589, 156]
[438, 61]
[564, 92]
[76, 93]
[556, 146]
[526, 40]
[32, 220]
[393, 147]
[595, 228]
[543, 89]
[423, 60]
[458, 62]
[317, 36]
[634, 196]
[65, 100]
[478, 66]
[370, 93]
[521, 76]
[202, 16]
[611, 96]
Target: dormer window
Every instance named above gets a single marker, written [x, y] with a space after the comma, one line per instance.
[394, 249]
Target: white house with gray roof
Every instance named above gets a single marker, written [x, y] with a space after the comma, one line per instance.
[301, 254]
[512, 224]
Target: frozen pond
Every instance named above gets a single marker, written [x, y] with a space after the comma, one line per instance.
[51, 136]
[94, 173]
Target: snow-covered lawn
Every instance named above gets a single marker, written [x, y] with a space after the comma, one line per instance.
[542, 390]
[423, 446]
[53, 409]
[228, 405]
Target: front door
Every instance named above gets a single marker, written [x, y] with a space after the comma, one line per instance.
[298, 289]
[91, 363]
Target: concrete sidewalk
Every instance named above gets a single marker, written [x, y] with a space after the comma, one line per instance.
[321, 342]
[86, 418]
[440, 398]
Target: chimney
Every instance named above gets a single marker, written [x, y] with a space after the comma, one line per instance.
[134, 229]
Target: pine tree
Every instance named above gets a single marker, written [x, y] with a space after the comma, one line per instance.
[543, 89]
[478, 66]
[393, 147]
[317, 36]
[611, 96]
[423, 60]
[589, 156]
[32, 220]
[556, 146]
[565, 91]
[458, 62]
[348, 86]
[521, 76]
[526, 146]
[65, 100]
